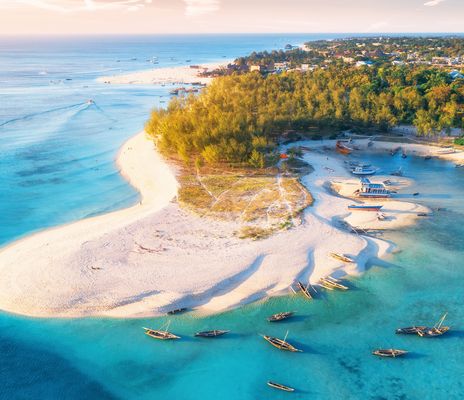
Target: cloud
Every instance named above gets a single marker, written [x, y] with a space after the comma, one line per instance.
[196, 8]
[81, 5]
[433, 3]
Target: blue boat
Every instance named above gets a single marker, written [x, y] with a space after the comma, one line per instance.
[364, 207]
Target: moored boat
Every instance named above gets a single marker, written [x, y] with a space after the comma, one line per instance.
[280, 386]
[342, 257]
[160, 334]
[329, 281]
[304, 289]
[281, 344]
[356, 207]
[410, 330]
[437, 330]
[280, 316]
[361, 170]
[211, 334]
[389, 352]
[177, 311]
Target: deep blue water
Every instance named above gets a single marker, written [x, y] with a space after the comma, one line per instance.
[57, 165]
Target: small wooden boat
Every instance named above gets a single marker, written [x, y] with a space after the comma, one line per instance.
[381, 216]
[341, 148]
[446, 150]
[398, 172]
[437, 330]
[211, 334]
[389, 353]
[427, 157]
[342, 257]
[160, 334]
[356, 207]
[416, 194]
[281, 344]
[432, 332]
[329, 281]
[177, 311]
[280, 316]
[422, 214]
[410, 330]
[280, 386]
[304, 289]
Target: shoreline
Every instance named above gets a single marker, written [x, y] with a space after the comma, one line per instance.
[132, 262]
[184, 74]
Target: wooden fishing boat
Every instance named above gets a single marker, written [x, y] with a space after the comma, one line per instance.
[211, 334]
[280, 386]
[160, 334]
[356, 207]
[389, 353]
[281, 344]
[280, 316]
[432, 332]
[304, 289]
[410, 330]
[342, 257]
[437, 330]
[341, 148]
[177, 311]
[329, 281]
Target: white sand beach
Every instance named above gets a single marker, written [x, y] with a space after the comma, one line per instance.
[154, 257]
[169, 75]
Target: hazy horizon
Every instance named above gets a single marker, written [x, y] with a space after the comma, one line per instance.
[109, 17]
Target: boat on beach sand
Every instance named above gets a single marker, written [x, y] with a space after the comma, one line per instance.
[304, 289]
[333, 283]
[342, 257]
[342, 148]
[362, 207]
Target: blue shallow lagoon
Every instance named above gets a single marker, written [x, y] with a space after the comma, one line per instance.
[57, 165]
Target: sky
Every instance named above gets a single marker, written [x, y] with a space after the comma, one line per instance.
[65, 17]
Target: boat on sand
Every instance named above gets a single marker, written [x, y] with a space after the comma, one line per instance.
[342, 257]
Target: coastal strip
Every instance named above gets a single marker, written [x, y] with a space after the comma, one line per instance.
[155, 256]
[188, 74]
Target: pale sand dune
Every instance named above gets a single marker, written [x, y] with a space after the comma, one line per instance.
[159, 76]
[97, 267]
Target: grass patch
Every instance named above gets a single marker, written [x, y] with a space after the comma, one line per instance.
[262, 202]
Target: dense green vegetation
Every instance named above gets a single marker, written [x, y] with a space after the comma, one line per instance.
[380, 50]
[239, 118]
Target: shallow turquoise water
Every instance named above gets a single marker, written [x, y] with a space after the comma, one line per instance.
[58, 165]
[107, 358]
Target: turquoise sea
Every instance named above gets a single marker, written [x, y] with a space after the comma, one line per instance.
[57, 165]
